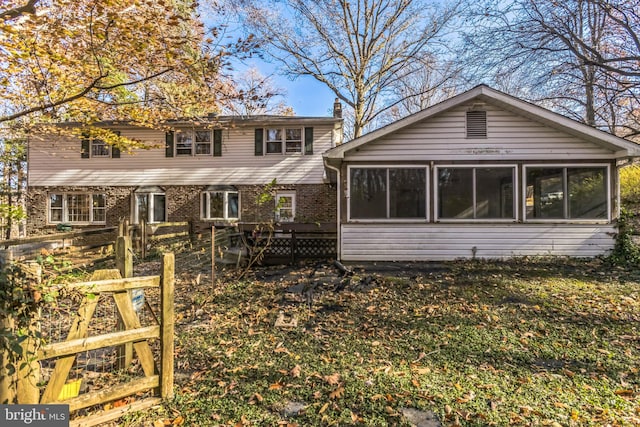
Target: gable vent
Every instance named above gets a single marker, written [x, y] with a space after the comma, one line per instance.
[476, 124]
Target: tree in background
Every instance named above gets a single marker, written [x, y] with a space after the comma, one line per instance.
[13, 185]
[577, 57]
[254, 93]
[360, 49]
[92, 60]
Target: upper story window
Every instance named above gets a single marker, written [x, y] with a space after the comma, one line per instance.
[476, 193]
[77, 208]
[382, 193]
[284, 141]
[97, 148]
[287, 140]
[194, 142]
[567, 193]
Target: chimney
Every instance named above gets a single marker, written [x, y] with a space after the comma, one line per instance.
[337, 109]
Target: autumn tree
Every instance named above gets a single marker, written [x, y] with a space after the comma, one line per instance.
[579, 57]
[359, 49]
[13, 185]
[92, 60]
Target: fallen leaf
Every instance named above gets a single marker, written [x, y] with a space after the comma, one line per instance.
[295, 372]
[332, 379]
[324, 408]
[276, 386]
[624, 392]
[178, 421]
[337, 393]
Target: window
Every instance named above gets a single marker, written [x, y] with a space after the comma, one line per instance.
[100, 149]
[381, 193]
[476, 124]
[219, 205]
[567, 192]
[284, 141]
[475, 192]
[97, 148]
[194, 143]
[149, 205]
[77, 208]
[285, 206]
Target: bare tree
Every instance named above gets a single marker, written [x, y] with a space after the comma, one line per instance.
[254, 93]
[360, 49]
[579, 57]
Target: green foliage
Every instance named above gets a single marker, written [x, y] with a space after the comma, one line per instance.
[625, 251]
[630, 184]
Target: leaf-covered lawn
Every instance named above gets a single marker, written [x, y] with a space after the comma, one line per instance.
[521, 343]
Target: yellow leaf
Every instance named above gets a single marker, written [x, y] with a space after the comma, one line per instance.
[178, 421]
[624, 392]
[337, 393]
[276, 386]
[324, 408]
[332, 379]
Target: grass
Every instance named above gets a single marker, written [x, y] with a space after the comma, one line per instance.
[550, 342]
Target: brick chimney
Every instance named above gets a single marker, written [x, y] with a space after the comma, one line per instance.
[337, 109]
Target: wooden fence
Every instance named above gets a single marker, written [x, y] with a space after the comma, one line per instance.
[156, 378]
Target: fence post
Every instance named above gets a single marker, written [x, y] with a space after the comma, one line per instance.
[213, 255]
[294, 246]
[167, 326]
[143, 239]
[27, 391]
[124, 263]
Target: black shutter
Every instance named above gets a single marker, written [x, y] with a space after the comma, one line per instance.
[115, 151]
[85, 146]
[259, 150]
[169, 144]
[308, 140]
[217, 142]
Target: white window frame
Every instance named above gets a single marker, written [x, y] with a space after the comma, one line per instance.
[205, 214]
[99, 142]
[283, 141]
[277, 214]
[436, 192]
[607, 167]
[150, 200]
[399, 220]
[194, 143]
[65, 208]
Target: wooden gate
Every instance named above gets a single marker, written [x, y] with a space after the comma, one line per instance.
[156, 382]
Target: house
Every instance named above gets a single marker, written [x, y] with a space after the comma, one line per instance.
[208, 173]
[481, 175]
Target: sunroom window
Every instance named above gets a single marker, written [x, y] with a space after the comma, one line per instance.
[567, 193]
[381, 193]
[466, 193]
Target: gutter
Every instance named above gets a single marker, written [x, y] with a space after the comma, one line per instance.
[339, 213]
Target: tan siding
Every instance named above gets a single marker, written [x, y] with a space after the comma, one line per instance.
[413, 242]
[57, 161]
[510, 137]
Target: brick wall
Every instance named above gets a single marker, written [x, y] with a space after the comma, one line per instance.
[314, 203]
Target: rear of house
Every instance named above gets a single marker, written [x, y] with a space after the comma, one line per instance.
[207, 173]
[481, 175]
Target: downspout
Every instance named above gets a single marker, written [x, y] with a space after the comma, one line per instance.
[339, 213]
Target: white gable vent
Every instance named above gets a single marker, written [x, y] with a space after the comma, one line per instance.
[476, 124]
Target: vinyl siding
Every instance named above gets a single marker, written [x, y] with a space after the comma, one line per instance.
[56, 161]
[437, 242]
[509, 137]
